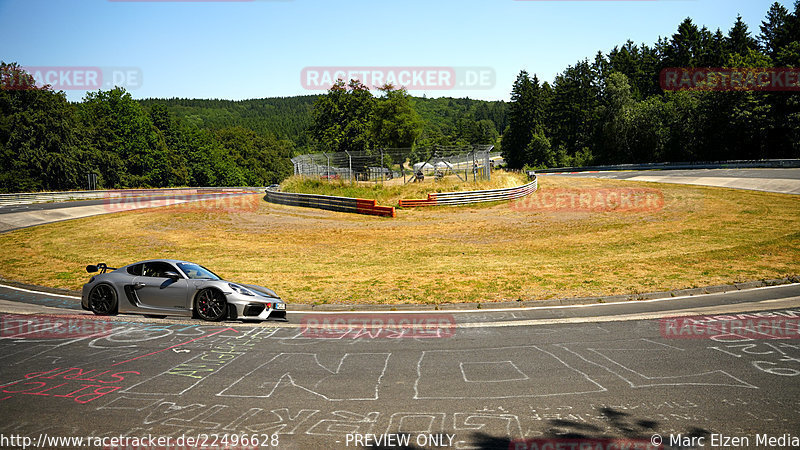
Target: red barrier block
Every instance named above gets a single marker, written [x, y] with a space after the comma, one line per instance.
[370, 207]
[383, 211]
[431, 201]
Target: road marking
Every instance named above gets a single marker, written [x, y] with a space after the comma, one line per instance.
[538, 308]
[487, 310]
[38, 292]
[175, 346]
[789, 302]
[720, 309]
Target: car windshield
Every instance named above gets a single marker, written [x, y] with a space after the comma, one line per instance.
[197, 272]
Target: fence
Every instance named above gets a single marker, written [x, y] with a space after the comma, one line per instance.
[463, 198]
[26, 198]
[330, 203]
[393, 163]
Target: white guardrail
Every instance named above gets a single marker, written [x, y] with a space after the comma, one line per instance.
[25, 198]
[463, 198]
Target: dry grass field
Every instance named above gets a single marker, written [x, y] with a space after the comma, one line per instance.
[694, 236]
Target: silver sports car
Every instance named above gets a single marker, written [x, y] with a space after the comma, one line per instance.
[162, 287]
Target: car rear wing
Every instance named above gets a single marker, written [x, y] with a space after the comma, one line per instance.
[101, 267]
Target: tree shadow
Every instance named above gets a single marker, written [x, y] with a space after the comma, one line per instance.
[620, 425]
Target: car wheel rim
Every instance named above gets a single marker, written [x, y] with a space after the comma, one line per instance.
[209, 305]
[102, 299]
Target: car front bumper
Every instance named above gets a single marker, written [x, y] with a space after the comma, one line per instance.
[255, 307]
[85, 295]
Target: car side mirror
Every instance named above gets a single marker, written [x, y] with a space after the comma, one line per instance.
[172, 275]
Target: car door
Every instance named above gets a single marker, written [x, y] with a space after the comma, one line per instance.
[154, 289]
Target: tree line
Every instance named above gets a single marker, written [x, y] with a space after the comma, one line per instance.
[48, 143]
[604, 111]
[438, 121]
[612, 110]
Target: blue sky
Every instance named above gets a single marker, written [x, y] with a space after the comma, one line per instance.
[240, 50]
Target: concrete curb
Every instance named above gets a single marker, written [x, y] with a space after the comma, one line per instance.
[553, 302]
[43, 289]
[491, 305]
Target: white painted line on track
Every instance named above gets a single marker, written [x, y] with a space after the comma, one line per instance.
[38, 292]
[539, 308]
[789, 302]
[711, 310]
[487, 310]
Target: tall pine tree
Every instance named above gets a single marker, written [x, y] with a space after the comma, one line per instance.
[774, 32]
[522, 120]
[739, 39]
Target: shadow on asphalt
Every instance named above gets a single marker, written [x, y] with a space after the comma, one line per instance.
[620, 425]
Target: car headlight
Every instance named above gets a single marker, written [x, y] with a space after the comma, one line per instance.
[238, 289]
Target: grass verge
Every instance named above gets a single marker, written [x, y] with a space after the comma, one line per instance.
[699, 236]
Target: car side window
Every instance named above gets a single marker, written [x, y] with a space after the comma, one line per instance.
[135, 269]
[157, 269]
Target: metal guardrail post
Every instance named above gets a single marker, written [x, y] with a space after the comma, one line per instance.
[476, 175]
[488, 167]
[327, 167]
[350, 165]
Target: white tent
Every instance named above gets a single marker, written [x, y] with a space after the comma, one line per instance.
[423, 166]
[444, 165]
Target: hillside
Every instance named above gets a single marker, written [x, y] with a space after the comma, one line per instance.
[447, 120]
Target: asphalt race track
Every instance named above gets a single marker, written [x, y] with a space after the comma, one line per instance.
[511, 378]
[13, 217]
[555, 373]
[786, 181]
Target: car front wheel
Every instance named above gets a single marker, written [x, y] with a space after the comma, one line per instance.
[210, 305]
[103, 300]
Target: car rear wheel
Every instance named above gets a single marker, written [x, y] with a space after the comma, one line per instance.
[210, 305]
[103, 300]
